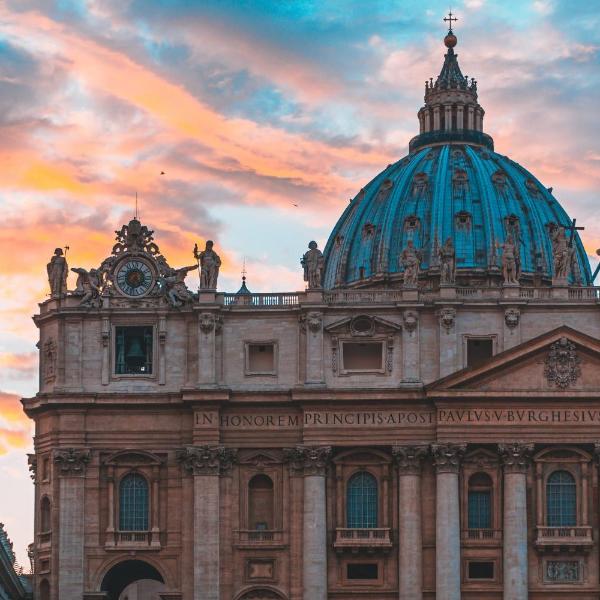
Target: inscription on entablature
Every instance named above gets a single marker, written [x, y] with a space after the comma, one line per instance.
[518, 416]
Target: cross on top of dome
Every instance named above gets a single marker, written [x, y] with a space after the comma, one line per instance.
[449, 20]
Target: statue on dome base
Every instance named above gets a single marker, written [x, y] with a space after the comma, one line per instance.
[510, 262]
[58, 270]
[313, 264]
[447, 258]
[410, 259]
[562, 255]
[209, 263]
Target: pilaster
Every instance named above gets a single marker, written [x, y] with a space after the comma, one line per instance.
[311, 325]
[411, 348]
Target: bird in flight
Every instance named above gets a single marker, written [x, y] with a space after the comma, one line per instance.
[162, 173]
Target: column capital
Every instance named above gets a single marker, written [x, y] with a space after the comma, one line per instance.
[308, 460]
[207, 460]
[32, 462]
[409, 459]
[447, 456]
[71, 462]
[515, 456]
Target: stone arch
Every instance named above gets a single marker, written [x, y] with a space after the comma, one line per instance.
[261, 593]
[123, 572]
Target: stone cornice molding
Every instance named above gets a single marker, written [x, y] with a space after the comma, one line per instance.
[515, 456]
[207, 460]
[308, 460]
[447, 457]
[71, 462]
[409, 459]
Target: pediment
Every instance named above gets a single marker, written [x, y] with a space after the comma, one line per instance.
[362, 325]
[562, 361]
[131, 457]
[259, 458]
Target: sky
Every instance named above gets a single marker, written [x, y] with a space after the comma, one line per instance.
[265, 116]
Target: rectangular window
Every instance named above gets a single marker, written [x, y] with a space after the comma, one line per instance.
[260, 359]
[481, 570]
[133, 350]
[362, 356]
[479, 350]
[480, 513]
[362, 571]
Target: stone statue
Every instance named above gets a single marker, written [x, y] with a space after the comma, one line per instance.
[58, 270]
[88, 285]
[313, 263]
[447, 258]
[410, 259]
[510, 262]
[176, 291]
[561, 253]
[210, 263]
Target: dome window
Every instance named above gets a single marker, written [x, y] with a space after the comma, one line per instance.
[411, 223]
[368, 231]
[462, 220]
[532, 188]
[499, 180]
[338, 240]
[460, 182]
[384, 190]
[420, 184]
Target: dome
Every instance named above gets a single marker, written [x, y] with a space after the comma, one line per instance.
[451, 185]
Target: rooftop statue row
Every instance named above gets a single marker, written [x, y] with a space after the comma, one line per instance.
[135, 269]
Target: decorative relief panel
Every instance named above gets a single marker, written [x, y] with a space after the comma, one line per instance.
[562, 365]
[562, 571]
[49, 360]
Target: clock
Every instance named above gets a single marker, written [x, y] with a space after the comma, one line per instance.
[134, 277]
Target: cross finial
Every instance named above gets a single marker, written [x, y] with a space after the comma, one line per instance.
[244, 269]
[449, 20]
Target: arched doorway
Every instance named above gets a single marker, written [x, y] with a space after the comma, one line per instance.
[131, 575]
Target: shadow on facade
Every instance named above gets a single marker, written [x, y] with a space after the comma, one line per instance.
[126, 573]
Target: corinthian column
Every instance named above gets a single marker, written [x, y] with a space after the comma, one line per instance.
[409, 459]
[206, 463]
[71, 465]
[446, 458]
[515, 458]
[312, 461]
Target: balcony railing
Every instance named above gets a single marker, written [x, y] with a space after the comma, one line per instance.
[261, 300]
[260, 537]
[482, 535]
[370, 539]
[137, 540]
[556, 537]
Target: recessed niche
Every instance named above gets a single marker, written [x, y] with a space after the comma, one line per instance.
[362, 356]
[260, 358]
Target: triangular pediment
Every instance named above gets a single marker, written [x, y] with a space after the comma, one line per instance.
[362, 325]
[563, 361]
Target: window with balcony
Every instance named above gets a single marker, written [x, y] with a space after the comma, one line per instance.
[361, 501]
[260, 503]
[133, 350]
[561, 500]
[133, 503]
[480, 501]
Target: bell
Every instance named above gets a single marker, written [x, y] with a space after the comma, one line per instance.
[135, 350]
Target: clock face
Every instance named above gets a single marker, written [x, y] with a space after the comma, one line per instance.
[134, 278]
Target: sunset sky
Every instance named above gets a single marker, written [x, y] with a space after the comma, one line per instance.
[266, 117]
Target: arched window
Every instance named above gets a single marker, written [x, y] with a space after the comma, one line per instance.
[480, 501]
[133, 503]
[45, 515]
[561, 500]
[44, 590]
[260, 502]
[361, 501]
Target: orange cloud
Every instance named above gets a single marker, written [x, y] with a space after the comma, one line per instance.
[15, 427]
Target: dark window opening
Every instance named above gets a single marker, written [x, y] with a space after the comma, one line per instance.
[480, 501]
[362, 571]
[45, 515]
[261, 358]
[260, 503]
[363, 356]
[133, 350]
[479, 351]
[46, 469]
[481, 570]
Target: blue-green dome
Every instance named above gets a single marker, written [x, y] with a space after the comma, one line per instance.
[451, 185]
[469, 193]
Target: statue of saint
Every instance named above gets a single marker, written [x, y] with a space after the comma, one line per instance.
[410, 259]
[58, 270]
[510, 262]
[175, 289]
[313, 263]
[447, 257]
[561, 253]
[210, 263]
